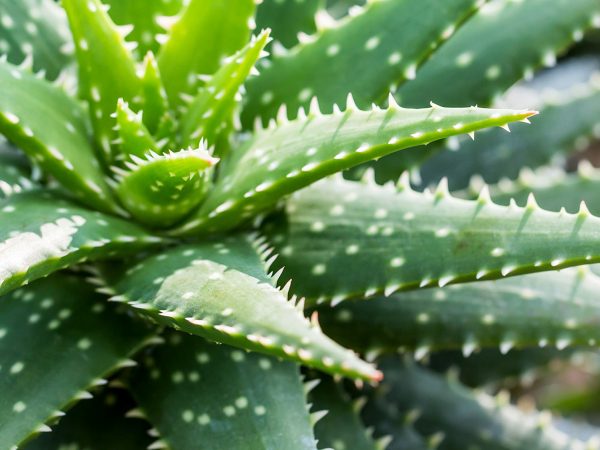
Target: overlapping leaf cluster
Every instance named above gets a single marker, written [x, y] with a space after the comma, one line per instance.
[192, 230]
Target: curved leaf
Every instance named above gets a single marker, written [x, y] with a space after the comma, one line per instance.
[220, 291]
[215, 106]
[291, 155]
[336, 230]
[366, 55]
[561, 127]
[203, 35]
[502, 43]
[51, 128]
[54, 347]
[212, 397]
[41, 233]
[107, 70]
[36, 32]
[546, 309]
[160, 190]
[454, 417]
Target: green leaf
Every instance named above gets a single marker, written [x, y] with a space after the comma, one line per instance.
[560, 128]
[14, 171]
[205, 33]
[291, 155]
[408, 240]
[287, 18]
[362, 55]
[553, 189]
[97, 424]
[107, 70]
[453, 416]
[36, 32]
[51, 128]
[212, 397]
[41, 233]
[220, 291]
[155, 103]
[504, 42]
[148, 18]
[134, 137]
[341, 427]
[160, 190]
[215, 105]
[546, 309]
[54, 347]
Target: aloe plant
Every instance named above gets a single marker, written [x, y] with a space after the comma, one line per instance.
[177, 238]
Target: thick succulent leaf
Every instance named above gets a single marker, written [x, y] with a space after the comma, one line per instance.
[160, 190]
[205, 33]
[214, 107]
[41, 233]
[220, 291]
[552, 308]
[107, 70]
[455, 417]
[54, 347]
[553, 189]
[50, 127]
[492, 367]
[35, 30]
[154, 98]
[561, 126]
[341, 427]
[337, 229]
[287, 18]
[361, 55]
[97, 424]
[472, 70]
[134, 137]
[14, 171]
[290, 155]
[212, 397]
[148, 18]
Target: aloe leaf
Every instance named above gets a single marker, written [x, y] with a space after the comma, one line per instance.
[155, 103]
[341, 428]
[36, 32]
[97, 424]
[455, 417]
[107, 70]
[50, 127]
[159, 190]
[14, 171]
[473, 70]
[213, 109]
[258, 404]
[220, 291]
[563, 125]
[290, 155]
[53, 348]
[287, 18]
[552, 188]
[134, 137]
[336, 229]
[545, 309]
[149, 20]
[41, 233]
[491, 367]
[361, 55]
[204, 34]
